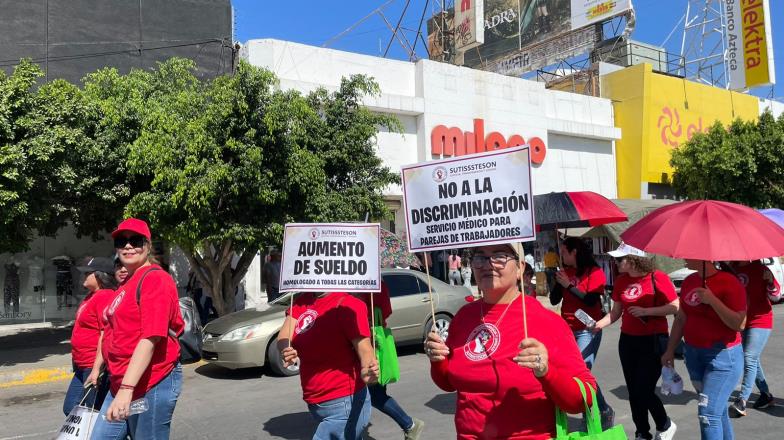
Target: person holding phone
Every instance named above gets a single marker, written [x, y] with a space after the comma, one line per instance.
[579, 287]
[643, 297]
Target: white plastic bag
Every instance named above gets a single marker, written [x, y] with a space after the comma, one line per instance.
[79, 424]
[80, 421]
[672, 383]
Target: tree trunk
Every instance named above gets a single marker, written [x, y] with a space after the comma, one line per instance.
[212, 265]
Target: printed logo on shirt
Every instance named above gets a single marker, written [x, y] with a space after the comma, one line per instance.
[632, 292]
[109, 311]
[692, 298]
[744, 279]
[306, 321]
[482, 342]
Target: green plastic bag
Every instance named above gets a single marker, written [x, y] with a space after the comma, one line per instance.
[594, 422]
[386, 353]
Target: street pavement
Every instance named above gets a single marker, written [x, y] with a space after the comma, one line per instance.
[218, 403]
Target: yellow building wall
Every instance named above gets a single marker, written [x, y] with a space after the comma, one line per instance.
[656, 113]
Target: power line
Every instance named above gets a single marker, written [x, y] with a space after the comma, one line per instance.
[137, 50]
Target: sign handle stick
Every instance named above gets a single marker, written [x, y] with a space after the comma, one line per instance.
[522, 298]
[373, 322]
[430, 293]
[291, 315]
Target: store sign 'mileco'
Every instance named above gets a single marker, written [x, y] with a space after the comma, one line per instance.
[452, 141]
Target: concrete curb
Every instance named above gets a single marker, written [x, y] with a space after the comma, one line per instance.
[35, 376]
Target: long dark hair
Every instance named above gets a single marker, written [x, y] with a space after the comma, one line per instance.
[105, 280]
[583, 258]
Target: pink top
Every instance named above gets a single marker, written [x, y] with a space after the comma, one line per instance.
[454, 262]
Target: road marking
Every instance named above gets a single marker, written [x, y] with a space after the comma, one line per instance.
[35, 377]
[40, 434]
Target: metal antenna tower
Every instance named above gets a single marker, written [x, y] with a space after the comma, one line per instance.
[407, 38]
[704, 43]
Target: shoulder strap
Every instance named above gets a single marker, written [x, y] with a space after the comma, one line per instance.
[653, 283]
[139, 286]
[172, 333]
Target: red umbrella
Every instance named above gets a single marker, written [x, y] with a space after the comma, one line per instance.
[707, 230]
[574, 209]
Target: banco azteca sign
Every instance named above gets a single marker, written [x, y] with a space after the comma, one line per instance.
[452, 141]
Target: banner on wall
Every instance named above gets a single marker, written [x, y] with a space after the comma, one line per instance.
[476, 200]
[320, 257]
[749, 44]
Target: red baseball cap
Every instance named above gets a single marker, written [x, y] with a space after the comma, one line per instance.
[134, 225]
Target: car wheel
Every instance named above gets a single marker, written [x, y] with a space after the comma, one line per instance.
[275, 360]
[442, 326]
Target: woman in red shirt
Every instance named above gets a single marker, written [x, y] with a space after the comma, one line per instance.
[643, 297]
[100, 285]
[710, 320]
[331, 340]
[143, 353]
[761, 290]
[379, 399]
[507, 386]
[580, 285]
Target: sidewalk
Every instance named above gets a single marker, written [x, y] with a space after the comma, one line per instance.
[34, 355]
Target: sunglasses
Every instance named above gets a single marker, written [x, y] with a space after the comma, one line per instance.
[136, 241]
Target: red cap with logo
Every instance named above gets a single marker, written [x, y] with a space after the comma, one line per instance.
[133, 225]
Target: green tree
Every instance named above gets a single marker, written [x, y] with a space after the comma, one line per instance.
[44, 134]
[232, 160]
[17, 217]
[741, 163]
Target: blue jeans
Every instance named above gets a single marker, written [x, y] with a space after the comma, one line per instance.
[714, 372]
[76, 392]
[344, 418]
[588, 343]
[387, 405]
[153, 424]
[754, 341]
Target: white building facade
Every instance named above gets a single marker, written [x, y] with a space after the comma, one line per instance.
[442, 108]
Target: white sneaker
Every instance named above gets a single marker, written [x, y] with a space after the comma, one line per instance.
[669, 434]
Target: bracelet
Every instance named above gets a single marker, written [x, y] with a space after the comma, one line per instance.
[127, 387]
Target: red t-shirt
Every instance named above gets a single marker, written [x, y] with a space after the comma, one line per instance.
[157, 312]
[88, 326]
[592, 281]
[638, 291]
[381, 301]
[329, 366]
[106, 328]
[496, 398]
[704, 328]
[758, 294]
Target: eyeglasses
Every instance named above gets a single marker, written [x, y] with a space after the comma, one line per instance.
[495, 259]
[136, 241]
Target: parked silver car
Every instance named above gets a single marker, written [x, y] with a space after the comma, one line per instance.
[247, 338]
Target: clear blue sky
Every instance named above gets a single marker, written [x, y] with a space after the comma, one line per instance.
[315, 22]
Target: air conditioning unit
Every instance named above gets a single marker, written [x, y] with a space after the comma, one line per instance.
[629, 53]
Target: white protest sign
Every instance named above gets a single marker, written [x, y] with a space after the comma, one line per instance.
[319, 257]
[471, 201]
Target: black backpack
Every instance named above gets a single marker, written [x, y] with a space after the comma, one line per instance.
[191, 337]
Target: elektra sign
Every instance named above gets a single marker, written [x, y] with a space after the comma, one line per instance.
[452, 141]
